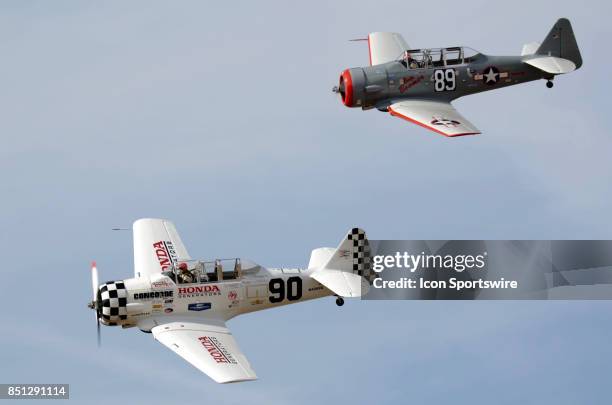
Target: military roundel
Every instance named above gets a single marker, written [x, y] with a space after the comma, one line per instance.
[491, 75]
[445, 122]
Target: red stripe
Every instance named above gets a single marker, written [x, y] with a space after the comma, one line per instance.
[396, 114]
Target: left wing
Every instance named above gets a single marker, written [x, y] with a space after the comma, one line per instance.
[385, 47]
[438, 116]
[157, 246]
[210, 347]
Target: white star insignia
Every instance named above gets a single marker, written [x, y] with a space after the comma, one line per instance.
[491, 76]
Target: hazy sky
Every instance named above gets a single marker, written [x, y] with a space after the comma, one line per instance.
[220, 116]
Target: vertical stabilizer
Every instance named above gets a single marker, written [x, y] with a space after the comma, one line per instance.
[347, 270]
[561, 43]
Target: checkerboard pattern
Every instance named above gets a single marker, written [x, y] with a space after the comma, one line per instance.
[362, 258]
[114, 302]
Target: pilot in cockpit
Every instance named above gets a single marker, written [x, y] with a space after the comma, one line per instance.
[184, 274]
[410, 62]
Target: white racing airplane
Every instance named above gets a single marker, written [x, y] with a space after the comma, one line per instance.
[185, 303]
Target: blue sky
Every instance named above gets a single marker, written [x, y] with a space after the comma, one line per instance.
[221, 118]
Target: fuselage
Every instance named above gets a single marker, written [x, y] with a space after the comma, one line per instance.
[423, 75]
[153, 300]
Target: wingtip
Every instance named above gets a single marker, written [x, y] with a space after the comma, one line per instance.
[463, 134]
[237, 381]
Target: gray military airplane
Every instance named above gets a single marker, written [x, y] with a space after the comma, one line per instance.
[418, 85]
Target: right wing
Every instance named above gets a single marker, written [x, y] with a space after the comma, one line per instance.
[157, 246]
[437, 116]
[210, 347]
[385, 47]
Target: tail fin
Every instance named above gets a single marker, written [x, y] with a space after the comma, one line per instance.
[346, 270]
[559, 52]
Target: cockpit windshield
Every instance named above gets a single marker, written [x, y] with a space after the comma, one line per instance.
[428, 58]
[198, 271]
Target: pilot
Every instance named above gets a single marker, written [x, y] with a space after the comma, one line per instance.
[410, 62]
[185, 275]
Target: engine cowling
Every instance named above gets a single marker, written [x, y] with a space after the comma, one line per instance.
[112, 303]
[351, 87]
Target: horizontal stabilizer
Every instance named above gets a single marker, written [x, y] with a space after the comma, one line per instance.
[320, 256]
[552, 64]
[342, 283]
[530, 49]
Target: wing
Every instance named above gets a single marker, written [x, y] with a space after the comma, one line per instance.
[385, 47]
[157, 245]
[210, 347]
[438, 116]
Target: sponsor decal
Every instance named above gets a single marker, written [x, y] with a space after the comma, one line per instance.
[344, 253]
[162, 284]
[168, 310]
[170, 301]
[445, 122]
[199, 291]
[216, 350]
[166, 254]
[157, 306]
[232, 295]
[315, 288]
[141, 314]
[199, 306]
[153, 295]
[409, 82]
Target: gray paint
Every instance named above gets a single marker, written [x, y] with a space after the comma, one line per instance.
[386, 79]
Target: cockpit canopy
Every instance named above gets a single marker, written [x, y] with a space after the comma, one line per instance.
[200, 271]
[437, 57]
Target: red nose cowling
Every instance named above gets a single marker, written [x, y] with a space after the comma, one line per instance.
[346, 88]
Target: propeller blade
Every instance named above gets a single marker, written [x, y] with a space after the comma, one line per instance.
[94, 287]
[94, 280]
[99, 335]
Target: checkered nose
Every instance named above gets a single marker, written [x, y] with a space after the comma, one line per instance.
[112, 301]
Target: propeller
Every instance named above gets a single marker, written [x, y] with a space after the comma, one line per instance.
[94, 304]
